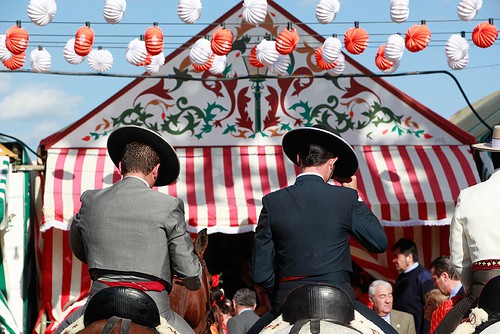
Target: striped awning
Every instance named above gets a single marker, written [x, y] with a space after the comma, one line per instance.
[4, 172]
[222, 187]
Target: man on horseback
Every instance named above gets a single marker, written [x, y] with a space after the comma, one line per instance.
[132, 236]
[303, 231]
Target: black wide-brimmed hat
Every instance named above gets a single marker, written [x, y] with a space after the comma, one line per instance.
[489, 297]
[169, 162]
[329, 138]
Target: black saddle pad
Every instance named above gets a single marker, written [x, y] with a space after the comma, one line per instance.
[122, 302]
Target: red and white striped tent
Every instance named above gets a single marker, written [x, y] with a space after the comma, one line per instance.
[227, 133]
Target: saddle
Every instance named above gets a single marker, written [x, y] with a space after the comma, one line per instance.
[122, 302]
[317, 302]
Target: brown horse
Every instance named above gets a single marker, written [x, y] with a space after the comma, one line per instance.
[195, 306]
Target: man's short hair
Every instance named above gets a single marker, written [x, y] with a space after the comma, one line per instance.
[139, 157]
[443, 264]
[406, 247]
[314, 155]
[375, 284]
[245, 297]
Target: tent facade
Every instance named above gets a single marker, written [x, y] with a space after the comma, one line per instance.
[227, 130]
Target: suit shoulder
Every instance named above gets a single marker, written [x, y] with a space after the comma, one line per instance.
[402, 314]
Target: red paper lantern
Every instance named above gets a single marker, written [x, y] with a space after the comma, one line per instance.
[287, 40]
[84, 39]
[417, 37]
[16, 61]
[356, 40]
[146, 61]
[320, 62]
[222, 41]
[485, 34]
[154, 40]
[252, 58]
[16, 39]
[380, 60]
[206, 66]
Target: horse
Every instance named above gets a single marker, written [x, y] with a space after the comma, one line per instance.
[195, 306]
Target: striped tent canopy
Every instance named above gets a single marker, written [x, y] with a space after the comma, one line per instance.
[227, 133]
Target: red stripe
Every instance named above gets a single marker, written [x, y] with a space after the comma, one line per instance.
[427, 232]
[66, 274]
[99, 168]
[385, 207]
[414, 182]
[172, 188]
[469, 173]
[392, 274]
[391, 240]
[444, 239]
[404, 212]
[433, 181]
[263, 170]
[209, 186]
[448, 171]
[247, 184]
[280, 167]
[58, 179]
[229, 183]
[191, 187]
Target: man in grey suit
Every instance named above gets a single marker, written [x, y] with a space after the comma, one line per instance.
[131, 235]
[380, 293]
[244, 302]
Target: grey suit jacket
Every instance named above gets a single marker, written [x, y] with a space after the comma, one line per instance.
[131, 228]
[403, 322]
[242, 322]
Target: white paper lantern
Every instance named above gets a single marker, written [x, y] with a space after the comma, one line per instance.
[189, 11]
[114, 10]
[254, 11]
[339, 68]
[70, 54]
[394, 48]
[200, 51]
[42, 12]
[400, 10]
[100, 60]
[5, 54]
[266, 52]
[457, 47]
[136, 52]
[393, 68]
[468, 9]
[332, 48]
[326, 10]
[459, 64]
[40, 60]
[218, 65]
[156, 63]
[280, 66]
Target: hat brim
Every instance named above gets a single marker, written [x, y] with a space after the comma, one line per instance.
[169, 162]
[485, 147]
[347, 164]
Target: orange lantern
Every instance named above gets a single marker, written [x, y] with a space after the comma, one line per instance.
[16, 61]
[154, 39]
[16, 39]
[147, 61]
[380, 60]
[287, 40]
[206, 66]
[320, 62]
[417, 37]
[485, 34]
[84, 39]
[356, 39]
[222, 41]
[252, 58]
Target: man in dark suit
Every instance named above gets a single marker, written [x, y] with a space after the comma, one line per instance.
[131, 235]
[244, 303]
[303, 231]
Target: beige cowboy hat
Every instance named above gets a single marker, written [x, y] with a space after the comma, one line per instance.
[493, 145]
[326, 136]
[169, 162]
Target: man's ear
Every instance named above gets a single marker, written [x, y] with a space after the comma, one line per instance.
[120, 167]
[155, 171]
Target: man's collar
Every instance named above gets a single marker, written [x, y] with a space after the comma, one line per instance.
[415, 265]
[136, 177]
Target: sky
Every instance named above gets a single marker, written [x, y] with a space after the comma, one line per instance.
[34, 106]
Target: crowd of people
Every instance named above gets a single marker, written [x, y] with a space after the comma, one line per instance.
[130, 235]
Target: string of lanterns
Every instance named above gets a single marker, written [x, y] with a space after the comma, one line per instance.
[210, 55]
